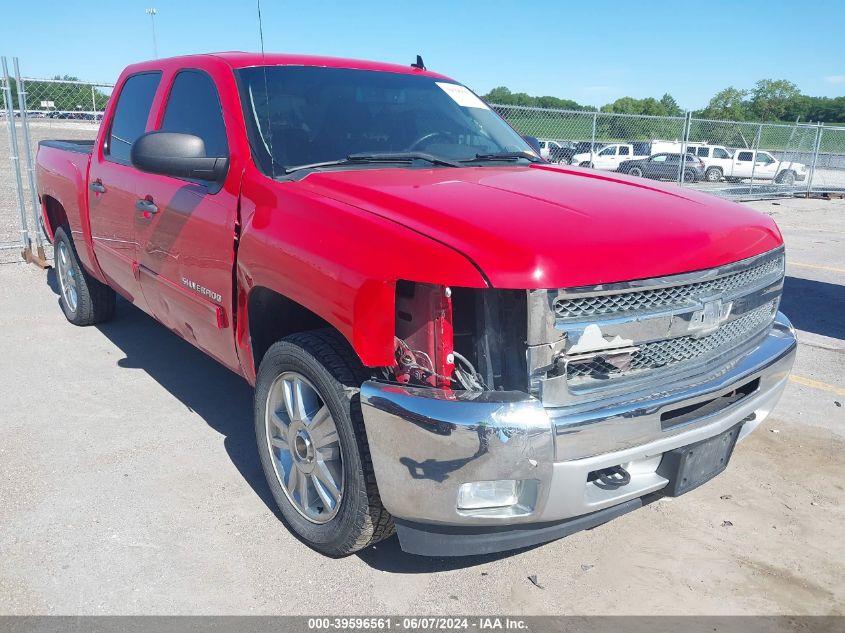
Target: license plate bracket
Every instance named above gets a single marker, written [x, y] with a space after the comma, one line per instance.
[688, 467]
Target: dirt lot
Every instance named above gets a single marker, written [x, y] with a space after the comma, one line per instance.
[130, 484]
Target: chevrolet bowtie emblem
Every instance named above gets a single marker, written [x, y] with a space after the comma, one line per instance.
[707, 320]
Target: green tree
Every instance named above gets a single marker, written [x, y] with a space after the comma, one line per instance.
[671, 106]
[727, 104]
[771, 98]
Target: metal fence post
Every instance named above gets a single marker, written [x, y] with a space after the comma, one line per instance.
[682, 163]
[755, 148]
[26, 244]
[38, 258]
[816, 149]
[593, 138]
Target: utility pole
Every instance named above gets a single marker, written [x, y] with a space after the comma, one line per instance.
[152, 13]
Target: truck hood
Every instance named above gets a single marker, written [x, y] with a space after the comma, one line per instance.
[544, 226]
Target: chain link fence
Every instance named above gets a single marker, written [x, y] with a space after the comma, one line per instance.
[36, 110]
[731, 159]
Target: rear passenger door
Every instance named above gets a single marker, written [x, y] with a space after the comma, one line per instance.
[186, 246]
[111, 182]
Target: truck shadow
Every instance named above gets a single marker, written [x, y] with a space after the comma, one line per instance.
[224, 401]
[814, 306]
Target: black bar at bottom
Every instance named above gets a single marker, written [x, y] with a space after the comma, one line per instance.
[445, 540]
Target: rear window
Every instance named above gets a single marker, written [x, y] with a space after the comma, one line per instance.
[704, 152]
[130, 115]
[624, 151]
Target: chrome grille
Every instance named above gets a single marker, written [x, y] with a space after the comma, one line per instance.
[670, 352]
[665, 297]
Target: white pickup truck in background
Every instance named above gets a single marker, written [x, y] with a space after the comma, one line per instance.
[610, 156]
[747, 163]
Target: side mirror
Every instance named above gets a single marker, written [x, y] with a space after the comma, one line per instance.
[179, 155]
[534, 142]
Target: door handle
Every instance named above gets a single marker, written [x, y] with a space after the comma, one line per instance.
[147, 206]
[97, 187]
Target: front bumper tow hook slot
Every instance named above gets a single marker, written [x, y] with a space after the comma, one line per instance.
[610, 478]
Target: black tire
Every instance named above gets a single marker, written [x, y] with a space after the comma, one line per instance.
[585, 163]
[733, 180]
[689, 176]
[325, 359]
[786, 177]
[713, 174]
[635, 171]
[95, 301]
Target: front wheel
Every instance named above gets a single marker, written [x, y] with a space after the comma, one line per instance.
[84, 300]
[311, 441]
[689, 176]
[635, 171]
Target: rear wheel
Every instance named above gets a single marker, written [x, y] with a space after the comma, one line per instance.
[713, 174]
[787, 178]
[689, 176]
[84, 300]
[312, 444]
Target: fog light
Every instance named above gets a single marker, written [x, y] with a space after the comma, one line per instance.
[476, 495]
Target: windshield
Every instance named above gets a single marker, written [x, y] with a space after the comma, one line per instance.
[303, 115]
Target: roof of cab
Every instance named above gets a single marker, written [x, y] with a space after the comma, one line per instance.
[239, 59]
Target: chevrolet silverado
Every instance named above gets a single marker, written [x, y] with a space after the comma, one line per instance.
[448, 337]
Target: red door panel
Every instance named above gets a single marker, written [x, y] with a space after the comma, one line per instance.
[185, 255]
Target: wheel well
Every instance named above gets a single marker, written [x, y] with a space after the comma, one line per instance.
[56, 214]
[273, 316]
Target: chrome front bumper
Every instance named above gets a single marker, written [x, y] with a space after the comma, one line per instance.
[425, 443]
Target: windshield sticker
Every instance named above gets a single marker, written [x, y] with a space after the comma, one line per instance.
[462, 96]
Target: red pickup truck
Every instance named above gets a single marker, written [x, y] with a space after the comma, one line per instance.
[447, 336]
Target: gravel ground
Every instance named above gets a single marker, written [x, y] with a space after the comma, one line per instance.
[130, 485]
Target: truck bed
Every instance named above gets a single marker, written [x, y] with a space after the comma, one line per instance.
[70, 145]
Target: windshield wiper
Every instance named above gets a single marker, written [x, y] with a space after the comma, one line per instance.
[386, 157]
[508, 156]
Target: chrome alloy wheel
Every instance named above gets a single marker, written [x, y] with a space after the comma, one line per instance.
[304, 446]
[67, 276]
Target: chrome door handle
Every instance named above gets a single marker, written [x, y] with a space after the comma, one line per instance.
[97, 187]
[146, 205]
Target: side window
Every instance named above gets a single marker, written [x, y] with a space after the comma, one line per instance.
[624, 151]
[765, 159]
[704, 152]
[660, 158]
[745, 156]
[130, 115]
[718, 152]
[610, 151]
[193, 107]
[691, 150]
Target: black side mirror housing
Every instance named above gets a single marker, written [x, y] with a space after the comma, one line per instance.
[534, 142]
[179, 155]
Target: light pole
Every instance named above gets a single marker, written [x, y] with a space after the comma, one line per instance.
[152, 13]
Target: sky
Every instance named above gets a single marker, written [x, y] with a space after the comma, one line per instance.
[592, 52]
